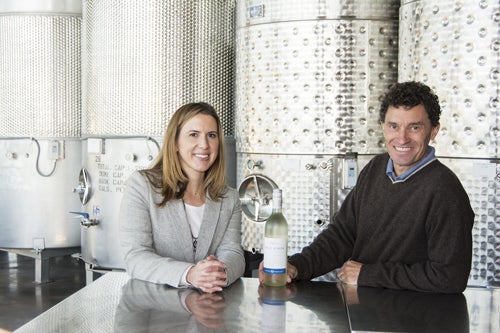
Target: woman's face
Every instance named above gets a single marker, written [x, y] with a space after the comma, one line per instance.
[198, 145]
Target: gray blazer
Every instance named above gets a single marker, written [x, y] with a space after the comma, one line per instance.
[157, 242]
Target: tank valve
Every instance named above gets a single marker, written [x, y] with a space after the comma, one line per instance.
[85, 219]
[11, 155]
[320, 222]
[324, 165]
[130, 157]
[251, 164]
[256, 250]
[310, 166]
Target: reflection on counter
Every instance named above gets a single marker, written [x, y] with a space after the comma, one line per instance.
[149, 307]
[115, 303]
[273, 301]
[245, 306]
[386, 310]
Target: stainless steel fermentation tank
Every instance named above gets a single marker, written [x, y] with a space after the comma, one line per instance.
[141, 60]
[309, 78]
[40, 112]
[454, 47]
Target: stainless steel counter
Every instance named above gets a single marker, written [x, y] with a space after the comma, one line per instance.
[114, 303]
[386, 310]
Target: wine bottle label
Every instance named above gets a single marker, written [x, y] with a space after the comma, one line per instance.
[275, 255]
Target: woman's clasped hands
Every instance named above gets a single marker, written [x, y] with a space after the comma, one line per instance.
[208, 275]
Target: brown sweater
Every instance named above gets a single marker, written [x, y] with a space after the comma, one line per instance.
[414, 235]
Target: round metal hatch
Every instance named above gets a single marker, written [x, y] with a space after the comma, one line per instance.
[256, 193]
[84, 188]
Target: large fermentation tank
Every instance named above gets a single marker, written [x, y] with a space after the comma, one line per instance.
[454, 47]
[309, 77]
[142, 60]
[40, 113]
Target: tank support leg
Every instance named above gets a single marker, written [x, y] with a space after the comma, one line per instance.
[42, 257]
[42, 270]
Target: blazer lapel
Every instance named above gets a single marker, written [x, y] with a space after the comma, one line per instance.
[184, 236]
[208, 226]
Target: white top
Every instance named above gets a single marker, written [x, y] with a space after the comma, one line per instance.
[194, 216]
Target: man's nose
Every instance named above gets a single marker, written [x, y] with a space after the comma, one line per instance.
[403, 134]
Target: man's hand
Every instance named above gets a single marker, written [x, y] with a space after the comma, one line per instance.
[349, 272]
[349, 293]
[291, 272]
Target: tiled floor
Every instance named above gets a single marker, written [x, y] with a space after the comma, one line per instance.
[21, 299]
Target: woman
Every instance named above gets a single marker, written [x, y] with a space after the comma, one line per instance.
[179, 223]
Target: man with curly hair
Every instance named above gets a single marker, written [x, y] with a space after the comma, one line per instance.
[407, 224]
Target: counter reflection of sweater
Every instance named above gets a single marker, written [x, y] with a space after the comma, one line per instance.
[414, 235]
[388, 310]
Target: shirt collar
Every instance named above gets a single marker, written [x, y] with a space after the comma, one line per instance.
[410, 172]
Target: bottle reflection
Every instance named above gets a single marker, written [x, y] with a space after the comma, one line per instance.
[273, 301]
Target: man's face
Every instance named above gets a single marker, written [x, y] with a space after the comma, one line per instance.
[407, 132]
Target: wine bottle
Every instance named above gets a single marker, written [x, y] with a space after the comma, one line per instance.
[276, 245]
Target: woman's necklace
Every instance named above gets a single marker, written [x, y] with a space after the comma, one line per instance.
[195, 243]
[193, 238]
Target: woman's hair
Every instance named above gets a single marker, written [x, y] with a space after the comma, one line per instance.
[166, 172]
[410, 94]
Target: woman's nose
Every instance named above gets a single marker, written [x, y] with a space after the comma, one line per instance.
[203, 141]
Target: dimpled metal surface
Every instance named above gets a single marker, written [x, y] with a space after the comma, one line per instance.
[454, 47]
[136, 76]
[309, 78]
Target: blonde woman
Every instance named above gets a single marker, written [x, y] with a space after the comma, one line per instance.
[180, 224]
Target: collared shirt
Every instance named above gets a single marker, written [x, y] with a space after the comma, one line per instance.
[410, 172]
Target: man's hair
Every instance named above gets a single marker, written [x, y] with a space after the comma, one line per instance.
[410, 94]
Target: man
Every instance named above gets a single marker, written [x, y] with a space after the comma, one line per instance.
[407, 224]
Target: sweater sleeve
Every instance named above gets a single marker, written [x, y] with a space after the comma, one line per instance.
[332, 247]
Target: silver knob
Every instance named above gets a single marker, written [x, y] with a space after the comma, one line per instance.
[251, 164]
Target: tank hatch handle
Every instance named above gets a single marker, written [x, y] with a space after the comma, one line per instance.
[85, 219]
[256, 192]
[84, 188]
